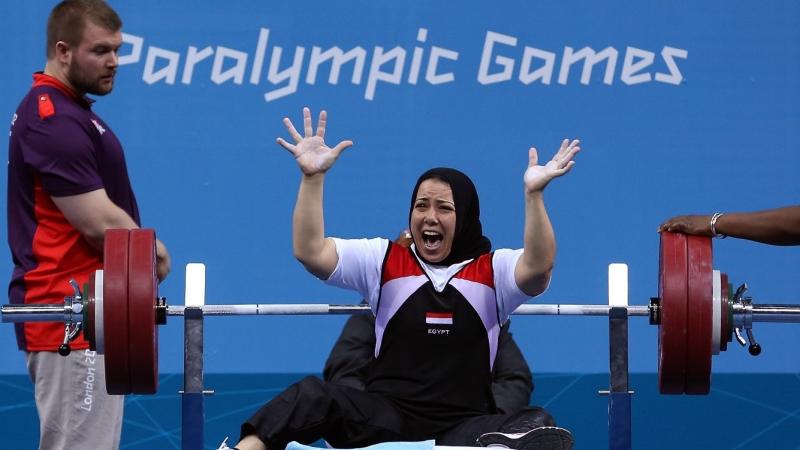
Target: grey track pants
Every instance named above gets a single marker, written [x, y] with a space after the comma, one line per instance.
[75, 412]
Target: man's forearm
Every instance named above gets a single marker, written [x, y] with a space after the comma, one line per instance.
[779, 226]
[92, 214]
[95, 232]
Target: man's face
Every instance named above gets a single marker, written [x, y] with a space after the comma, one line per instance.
[433, 220]
[93, 63]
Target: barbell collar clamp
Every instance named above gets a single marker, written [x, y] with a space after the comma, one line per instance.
[655, 311]
[71, 330]
[738, 333]
[161, 311]
[754, 348]
[73, 306]
[743, 313]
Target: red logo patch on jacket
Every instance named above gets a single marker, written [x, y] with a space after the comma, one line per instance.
[46, 108]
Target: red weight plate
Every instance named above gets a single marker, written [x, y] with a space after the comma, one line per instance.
[700, 313]
[726, 323]
[115, 311]
[672, 330]
[88, 324]
[142, 294]
[716, 317]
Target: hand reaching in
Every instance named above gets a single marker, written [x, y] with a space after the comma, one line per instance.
[310, 151]
[694, 224]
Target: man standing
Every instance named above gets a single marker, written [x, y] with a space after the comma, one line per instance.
[67, 184]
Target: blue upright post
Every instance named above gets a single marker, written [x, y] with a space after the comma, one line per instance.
[619, 398]
[193, 404]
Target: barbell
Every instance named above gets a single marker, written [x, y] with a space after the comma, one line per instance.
[697, 312]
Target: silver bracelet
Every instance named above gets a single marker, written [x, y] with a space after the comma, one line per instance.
[713, 224]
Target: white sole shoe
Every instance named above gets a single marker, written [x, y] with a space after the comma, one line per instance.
[542, 438]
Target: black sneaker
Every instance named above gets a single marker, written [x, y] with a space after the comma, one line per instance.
[542, 438]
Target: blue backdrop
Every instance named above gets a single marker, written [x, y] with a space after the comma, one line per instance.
[682, 107]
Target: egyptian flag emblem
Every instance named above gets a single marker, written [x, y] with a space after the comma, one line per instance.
[439, 318]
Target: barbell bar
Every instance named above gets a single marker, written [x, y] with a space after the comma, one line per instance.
[697, 311]
[62, 313]
[779, 313]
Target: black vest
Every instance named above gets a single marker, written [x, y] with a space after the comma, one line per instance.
[434, 351]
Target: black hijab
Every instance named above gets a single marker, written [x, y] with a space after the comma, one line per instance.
[468, 241]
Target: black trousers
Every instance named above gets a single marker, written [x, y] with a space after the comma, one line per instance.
[348, 417]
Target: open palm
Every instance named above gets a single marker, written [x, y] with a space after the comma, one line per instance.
[537, 177]
[310, 151]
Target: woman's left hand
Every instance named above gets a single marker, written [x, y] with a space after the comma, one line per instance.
[537, 177]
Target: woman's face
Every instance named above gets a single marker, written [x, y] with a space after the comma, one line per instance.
[433, 220]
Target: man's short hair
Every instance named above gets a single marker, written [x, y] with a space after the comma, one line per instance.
[68, 19]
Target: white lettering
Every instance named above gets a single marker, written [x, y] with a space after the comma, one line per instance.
[498, 63]
[507, 63]
[192, 58]
[591, 58]
[379, 58]
[416, 59]
[168, 73]
[89, 355]
[261, 50]
[544, 73]
[236, 72]
[136, 49]
[431, 75]
[338, 59]
[630, 68]
[88, 383]
[291, 73]
[674, 77]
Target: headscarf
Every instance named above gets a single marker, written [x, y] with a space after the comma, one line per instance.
[468, 241]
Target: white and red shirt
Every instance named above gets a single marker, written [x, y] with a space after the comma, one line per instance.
[436, 327]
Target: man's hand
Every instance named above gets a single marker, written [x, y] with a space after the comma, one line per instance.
[404, 239]
[694, 224]
[537, 177]
[310, 151]
[163, 261]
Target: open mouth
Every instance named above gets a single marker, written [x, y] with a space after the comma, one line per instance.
[431, 239]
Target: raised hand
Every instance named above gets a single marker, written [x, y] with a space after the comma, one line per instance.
[537, 177]
[310, 151]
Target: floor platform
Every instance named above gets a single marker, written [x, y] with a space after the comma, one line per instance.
[743, 411]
